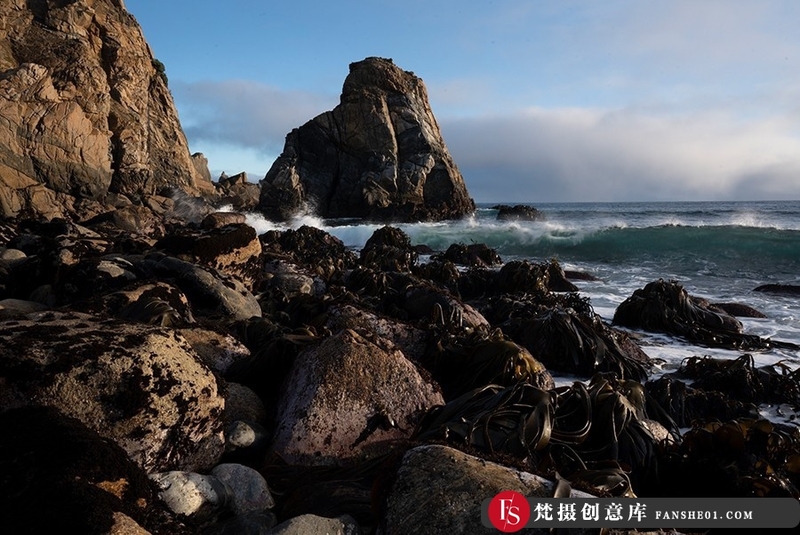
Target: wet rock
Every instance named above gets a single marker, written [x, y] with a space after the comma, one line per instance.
[287, 279]
[579, 276]
[241, 403]
[441, 490]
[312, 524]
[518, 212]
[18, 308]
[474, 254]
[378, 155]
[739, 310]
[231, 249]
[154, 304]
[314, 249]
[389, 249]
[191, 494]
[666, 307]
[141, 386]
[238, 192]
[246, 442]
[210, 293]
[216, 350]
[524, 276]
[60, 476]
[423, 300]
[409, 339]
[344, 395]
[248, 488]
[222, 219]
[780, 289]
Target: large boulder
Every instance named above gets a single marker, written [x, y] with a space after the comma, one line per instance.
[346, 395]
[85, 109]
[442, 490]
[140, 386]
[59, 476]
[379, 155]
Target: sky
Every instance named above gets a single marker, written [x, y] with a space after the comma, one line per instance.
[537, 101]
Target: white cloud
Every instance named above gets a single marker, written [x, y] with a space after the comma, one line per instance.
[245, 114]
[619, 155]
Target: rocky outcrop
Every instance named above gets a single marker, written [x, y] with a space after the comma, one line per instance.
[377, 155]
[84, 110]
[140, 386]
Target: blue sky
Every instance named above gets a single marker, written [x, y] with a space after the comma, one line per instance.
[538, 101]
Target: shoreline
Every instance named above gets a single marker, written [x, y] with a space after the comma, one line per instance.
[443, 332]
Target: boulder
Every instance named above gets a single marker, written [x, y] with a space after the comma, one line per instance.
[231, 249]
[210, 293]
[60, 476]
[86, 110]
[779, 289]
[441, 490]
[249, 491]
[312, 248]
[237, 192]
[191, 494]
[140, 386]
[216, 350]
[518, 212]
[378, 155]
[474, 254]
[313, 524]
[665, 306]
[389, 249]
[347, 394]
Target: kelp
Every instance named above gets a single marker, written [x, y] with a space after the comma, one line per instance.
[742, 457]
[516, 420]
[468, 360]
[742, 380]
[568, 341]
[674, 404]
[569, 429]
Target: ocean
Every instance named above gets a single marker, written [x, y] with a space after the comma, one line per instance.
[720, 251]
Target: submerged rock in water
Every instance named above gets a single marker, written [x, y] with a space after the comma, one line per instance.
[518, 212]
[666, 307]
[781, 289]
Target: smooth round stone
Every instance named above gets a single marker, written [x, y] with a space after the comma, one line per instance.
[191, 494]
[248, 487]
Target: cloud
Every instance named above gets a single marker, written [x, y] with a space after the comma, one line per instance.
[625, 155]
[243, 114]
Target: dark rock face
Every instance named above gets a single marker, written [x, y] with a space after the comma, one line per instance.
[377, 155]
[85, 110]
[87, 482]
[518, 212]
[781, 289]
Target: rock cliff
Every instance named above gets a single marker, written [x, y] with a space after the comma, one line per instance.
[84, 109]
[379, 155]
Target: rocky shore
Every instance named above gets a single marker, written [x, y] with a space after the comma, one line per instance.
[200, 378]
[166, 369]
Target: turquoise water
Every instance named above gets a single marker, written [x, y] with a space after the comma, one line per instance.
[717, 250]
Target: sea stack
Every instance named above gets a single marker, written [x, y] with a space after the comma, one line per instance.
[378, 155]
[85, 110]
